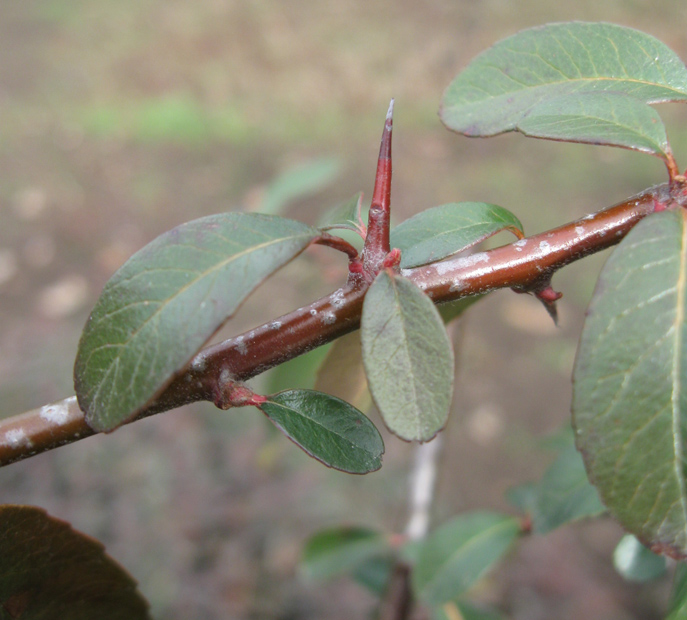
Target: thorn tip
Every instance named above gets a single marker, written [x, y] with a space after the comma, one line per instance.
[390, 113]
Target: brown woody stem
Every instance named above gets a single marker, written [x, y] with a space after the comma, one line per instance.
[520, 265]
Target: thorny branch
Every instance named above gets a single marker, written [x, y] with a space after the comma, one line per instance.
[526, 266]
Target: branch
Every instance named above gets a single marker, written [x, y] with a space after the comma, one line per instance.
[526, 265]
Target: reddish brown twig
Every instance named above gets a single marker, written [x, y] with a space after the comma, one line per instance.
[520, 265]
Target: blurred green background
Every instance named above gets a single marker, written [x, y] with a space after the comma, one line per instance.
[121, 120]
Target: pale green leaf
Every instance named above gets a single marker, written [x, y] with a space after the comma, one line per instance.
[344, 215]
[610, 118]
[339, 551]
[328, 429]
[298, 182]
[407, 356]
[167, 300]
[459, 553]
[635, 562]
[501, 85]
[629, 400]
[447, 229]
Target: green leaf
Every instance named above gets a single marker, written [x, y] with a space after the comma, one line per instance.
[453, 309]
[612, 119]
[500, 86]
[459, 553]
[375, 573]
[407, 356]
[448, 229]
[167, 300]
[564, 494]
[678, 599]
[298, 182]
[344, 215]
[340, 550]
[629, 398]
[328, 429]
[48, 570]
[635, 562]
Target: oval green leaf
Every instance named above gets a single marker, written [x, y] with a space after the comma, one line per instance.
[339, 551]
[328, 429]
[447, 229]
[500, 86]
[459, 553]
[611, 119]
[629, 398]
[48, 570]
[564, 494]
[167, 300]
[635, 562]
[408, 358]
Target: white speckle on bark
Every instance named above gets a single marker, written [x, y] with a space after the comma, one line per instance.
[199, 364]
[275, 325]
[337, 298]
[313, 312]
[458, 285]
[16, 437]
[544, 245]
[58, 413]
[520, 244]
[579, 231]
[328, 318]
[241, 346]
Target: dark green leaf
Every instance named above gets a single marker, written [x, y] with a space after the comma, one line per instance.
[564, 494]
[457, 554]
[328, 429]
[635, 562]
[629, 399]
[442, 231]
[341, 550]
[47, 570]
[678, 599]
[408, 358]
[612, 119]
[298, 182]
[167, 300]
[344, 215]
[501, 85]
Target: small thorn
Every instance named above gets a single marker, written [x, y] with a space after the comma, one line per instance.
[549, 297]
[390, 113]
[392, 259]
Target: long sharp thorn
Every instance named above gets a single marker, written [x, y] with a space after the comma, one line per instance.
[382, 192]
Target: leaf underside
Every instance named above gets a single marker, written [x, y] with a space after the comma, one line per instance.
[408, 358]
[328, 429]
[167, 300]
[629, 401]
[501, 85]
[445, 230]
